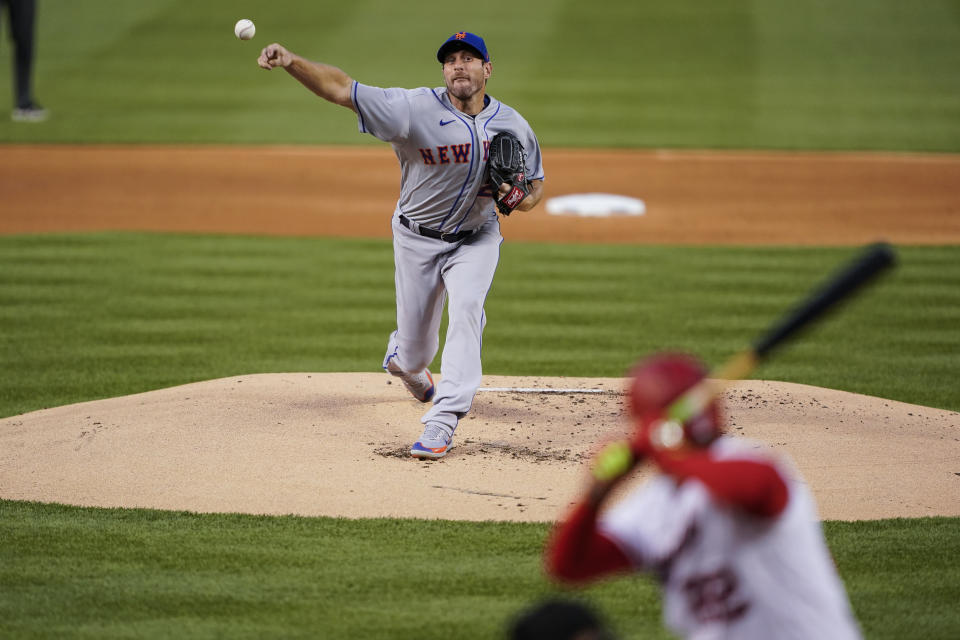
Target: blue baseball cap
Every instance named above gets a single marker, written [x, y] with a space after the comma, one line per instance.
[463, 40]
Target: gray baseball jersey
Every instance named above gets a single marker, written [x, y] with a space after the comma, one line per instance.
[442, 152]
[443, 160]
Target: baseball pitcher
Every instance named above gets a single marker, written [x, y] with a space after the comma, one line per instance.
[463, 156]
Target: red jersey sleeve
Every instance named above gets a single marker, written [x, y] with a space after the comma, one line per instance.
[578, 552]
[754, 486]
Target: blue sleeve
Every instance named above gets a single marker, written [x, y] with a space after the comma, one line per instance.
[383, 113]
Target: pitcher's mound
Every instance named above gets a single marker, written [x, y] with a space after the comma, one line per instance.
[337, 445]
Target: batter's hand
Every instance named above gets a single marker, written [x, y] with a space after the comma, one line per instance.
[274, 55]
[614, 461]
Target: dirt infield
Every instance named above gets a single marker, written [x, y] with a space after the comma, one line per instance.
[334, 444]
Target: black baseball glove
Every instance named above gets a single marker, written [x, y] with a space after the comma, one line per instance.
[507, 165]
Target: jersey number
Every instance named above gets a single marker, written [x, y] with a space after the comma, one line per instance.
[712, 596]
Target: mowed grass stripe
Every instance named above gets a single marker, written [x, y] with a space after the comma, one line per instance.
[82, 572]
[259, 576]
[98, 315]
[863, 74]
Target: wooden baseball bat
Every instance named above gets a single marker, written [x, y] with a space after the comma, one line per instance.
[847, 281]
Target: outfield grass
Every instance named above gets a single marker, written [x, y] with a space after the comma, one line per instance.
[99, 315]
[789, 74]
[67, 571]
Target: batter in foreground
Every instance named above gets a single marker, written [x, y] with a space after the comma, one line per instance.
[446, 234]
[729, 530]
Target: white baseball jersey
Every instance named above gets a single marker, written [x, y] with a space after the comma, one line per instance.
[727, 574]
[443, 162]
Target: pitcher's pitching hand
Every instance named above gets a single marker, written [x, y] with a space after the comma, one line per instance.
[274, 55]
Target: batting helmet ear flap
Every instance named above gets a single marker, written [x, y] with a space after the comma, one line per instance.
[660, 380]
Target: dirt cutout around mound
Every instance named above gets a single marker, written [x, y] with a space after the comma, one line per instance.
[836, 199]
[337, 445]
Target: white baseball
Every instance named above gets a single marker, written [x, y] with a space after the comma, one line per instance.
[244, 29]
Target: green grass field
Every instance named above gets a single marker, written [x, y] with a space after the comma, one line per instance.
[99, 315]
[861, 74]
[86, 316]
[98, 573]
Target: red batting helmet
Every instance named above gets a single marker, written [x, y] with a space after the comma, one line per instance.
[659, 380]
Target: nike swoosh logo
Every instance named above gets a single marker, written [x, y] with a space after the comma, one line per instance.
[443, 124]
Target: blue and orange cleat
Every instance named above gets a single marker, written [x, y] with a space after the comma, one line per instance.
[420, 385]
[434, 443]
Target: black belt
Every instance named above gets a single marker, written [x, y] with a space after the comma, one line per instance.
[433, 233]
